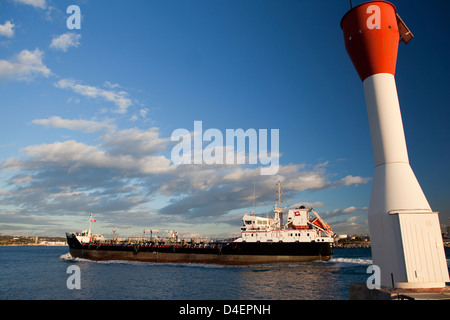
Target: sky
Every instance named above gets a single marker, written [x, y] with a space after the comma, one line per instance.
[88, 113]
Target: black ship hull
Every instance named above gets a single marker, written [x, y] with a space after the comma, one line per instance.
[231, 253]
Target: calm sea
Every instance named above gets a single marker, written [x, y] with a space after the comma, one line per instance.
[40, 273]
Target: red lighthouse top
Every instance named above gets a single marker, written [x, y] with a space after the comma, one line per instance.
[371, 37]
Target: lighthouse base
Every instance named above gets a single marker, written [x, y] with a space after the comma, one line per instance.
[359, 291]
[406, 238]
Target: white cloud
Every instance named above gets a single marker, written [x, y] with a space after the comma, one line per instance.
[349, 180]
[143, 113]
[111, 85]
[299, 179]
[345, 212]
[35, 3]
[125, 142]
[133, 150]
[24, 66]
[21, 179]
[76, 125]
[7, 29]
[135, 142]
[350, 209]
[119, 98]
[65, 41]
[75, 155]
[307, 204]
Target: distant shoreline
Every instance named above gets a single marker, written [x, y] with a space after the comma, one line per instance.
[367, 245]
[30, 241]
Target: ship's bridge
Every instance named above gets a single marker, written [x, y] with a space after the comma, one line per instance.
[252, 222]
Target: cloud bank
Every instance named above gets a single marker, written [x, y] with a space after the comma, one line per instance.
[129, 179]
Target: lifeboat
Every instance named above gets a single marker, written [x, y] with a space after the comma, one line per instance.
[299, 227]
[320, 223]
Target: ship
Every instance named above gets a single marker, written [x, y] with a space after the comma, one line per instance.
[304, 237]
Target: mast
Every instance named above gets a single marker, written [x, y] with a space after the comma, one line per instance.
[252, 213]
[278, 210]
[90, 225]
[91, 219]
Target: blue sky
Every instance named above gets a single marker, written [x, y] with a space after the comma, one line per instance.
[87, 115]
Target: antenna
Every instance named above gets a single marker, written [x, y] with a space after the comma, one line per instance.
[279, 193]
[253, 211]
[278, 210]
[90, 225]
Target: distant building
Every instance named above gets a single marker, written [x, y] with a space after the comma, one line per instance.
[448, 227]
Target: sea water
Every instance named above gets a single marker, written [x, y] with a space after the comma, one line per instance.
[42, 273]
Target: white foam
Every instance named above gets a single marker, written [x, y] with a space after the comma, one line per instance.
[66, 256]
[357, 261]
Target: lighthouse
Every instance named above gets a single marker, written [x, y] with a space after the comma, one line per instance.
[405, 234]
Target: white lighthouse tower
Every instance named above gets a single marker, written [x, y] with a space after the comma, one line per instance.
[405, 234]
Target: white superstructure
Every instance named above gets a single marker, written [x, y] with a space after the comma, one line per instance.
[86, 236]
[303, 225]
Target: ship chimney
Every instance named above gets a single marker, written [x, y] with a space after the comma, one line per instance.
[405, 234]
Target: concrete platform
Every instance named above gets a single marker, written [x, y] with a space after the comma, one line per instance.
[359, 291]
